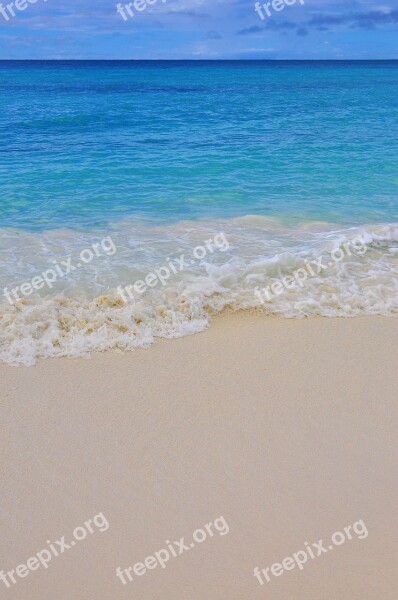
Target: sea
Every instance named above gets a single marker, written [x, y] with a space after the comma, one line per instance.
[141, 198]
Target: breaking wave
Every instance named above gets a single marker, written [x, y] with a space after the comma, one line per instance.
[255, 262]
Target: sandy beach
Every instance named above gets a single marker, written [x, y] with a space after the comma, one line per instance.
[278, 431]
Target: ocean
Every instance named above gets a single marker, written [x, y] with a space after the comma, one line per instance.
[140, 198]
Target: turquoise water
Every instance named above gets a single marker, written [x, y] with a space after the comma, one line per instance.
[84, 144]
[243, 173]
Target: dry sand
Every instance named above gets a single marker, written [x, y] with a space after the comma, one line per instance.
[286, 428]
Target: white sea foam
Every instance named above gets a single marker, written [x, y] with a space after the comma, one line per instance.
[84, 312]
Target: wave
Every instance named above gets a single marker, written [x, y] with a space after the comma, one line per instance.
[246, 263]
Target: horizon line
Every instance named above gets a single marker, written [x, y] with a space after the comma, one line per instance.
[199, 59]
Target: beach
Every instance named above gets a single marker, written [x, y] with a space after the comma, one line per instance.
[282, 428]
[198, 315]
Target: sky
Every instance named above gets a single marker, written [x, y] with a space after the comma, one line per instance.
[198, 29]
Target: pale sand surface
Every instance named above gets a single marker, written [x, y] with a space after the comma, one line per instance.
[286, 428]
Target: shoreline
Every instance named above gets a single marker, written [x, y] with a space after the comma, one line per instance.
[283, 427]
[180, 281]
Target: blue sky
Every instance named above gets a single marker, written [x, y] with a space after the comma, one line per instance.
[199, 29]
